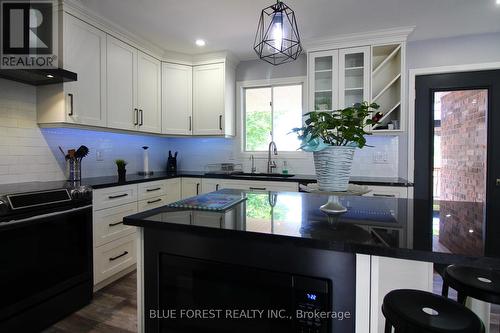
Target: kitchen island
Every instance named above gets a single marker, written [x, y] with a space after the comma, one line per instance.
[277, 251]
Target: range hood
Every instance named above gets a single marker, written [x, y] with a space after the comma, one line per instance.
[38, 77]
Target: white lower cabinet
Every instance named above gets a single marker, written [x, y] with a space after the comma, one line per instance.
[148, 204]
[388, 192]
[214, 184]
[190, 187]
[108, 223]
[112, 258]
[114, 242]
[376, 276]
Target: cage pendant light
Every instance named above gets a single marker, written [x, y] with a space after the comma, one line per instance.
[277, 39]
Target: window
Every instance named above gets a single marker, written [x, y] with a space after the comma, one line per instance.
[270, 113]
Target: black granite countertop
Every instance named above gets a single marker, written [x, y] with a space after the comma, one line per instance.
[375, 226]
[110, 181]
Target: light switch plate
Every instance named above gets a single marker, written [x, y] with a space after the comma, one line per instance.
[380, 157]
[99, 156]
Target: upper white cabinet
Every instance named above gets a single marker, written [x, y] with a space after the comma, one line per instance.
[177, 99]
[83, 101]
[323, 80]
[122, 85]
[133, 88]
[354, 76]
[213, 100]
[367, 67]
[149, 93]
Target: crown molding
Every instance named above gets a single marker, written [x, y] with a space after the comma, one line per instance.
[78, 10]
[384, 36]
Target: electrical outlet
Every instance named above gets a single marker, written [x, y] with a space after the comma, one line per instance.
[380, 157]
[99, 155]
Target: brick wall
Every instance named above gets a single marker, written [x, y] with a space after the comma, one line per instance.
[463, 149]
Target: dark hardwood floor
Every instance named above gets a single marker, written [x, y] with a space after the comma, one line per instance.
[113, 310]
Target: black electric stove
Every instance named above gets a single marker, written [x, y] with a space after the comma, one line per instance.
[45, 253]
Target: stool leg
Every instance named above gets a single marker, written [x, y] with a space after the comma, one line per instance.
[388, 327]
[444, 291]
[461, 297]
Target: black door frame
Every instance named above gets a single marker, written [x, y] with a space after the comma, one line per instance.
[425, 86]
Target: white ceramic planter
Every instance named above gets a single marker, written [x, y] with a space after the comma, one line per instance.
[333, 168]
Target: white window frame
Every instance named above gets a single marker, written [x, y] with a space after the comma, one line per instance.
[240, 103]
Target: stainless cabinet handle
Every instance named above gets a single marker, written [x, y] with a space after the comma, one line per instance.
[70, 104]
[136, 116]
[190, 125]
[117, 196]
[220, 122]
[153, 201]
[197, 188]
[115, 224]
[153, 189]
[257, 188]
[142, 117]
[119, 256]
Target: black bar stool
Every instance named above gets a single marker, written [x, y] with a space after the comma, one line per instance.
[481, 284]
[416, 311]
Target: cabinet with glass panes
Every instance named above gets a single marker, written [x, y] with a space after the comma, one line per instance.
[343, 77]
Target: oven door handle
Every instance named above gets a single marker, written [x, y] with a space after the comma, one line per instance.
[43, 216]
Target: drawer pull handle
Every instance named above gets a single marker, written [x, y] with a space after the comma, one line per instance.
[153, 201]
[258, 188]
[115, 224]
[119, 256]
[118, 196]
[384, 195]
[153, 189]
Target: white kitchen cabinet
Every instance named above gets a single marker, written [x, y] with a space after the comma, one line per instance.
[190, 187]
[114, 257]
[133, 88]
[108, 223]
[354, 76]
[214, 100]
[211, 184]
[149, 93]
[152, 203]
[83, 101]
[114, 196]
[323, 80]
[388, 191]
[152, 189]
[177, 99]
[122, 108]
[215, 184]
[174, 190]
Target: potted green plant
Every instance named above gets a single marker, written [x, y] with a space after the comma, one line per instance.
[333, 137]
[121, 164]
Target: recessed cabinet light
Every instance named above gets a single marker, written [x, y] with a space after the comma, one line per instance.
[200, 42]
[50, 76]
[498, 2]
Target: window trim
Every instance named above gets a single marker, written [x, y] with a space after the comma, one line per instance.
[240, 95]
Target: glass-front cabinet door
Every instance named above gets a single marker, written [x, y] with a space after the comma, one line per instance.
[354, 76]
[323, 81]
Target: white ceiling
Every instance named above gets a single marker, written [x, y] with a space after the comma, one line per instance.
[230, 24]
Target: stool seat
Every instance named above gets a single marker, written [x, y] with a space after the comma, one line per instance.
[419, 311]
[481, 284]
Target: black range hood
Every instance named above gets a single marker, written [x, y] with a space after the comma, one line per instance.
[38, 77]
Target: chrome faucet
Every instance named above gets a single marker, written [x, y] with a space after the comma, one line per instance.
[271, 165]
[253, 169]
